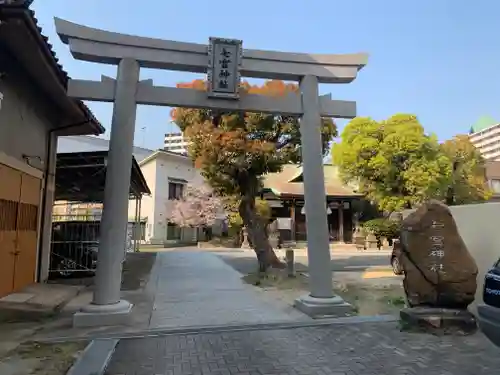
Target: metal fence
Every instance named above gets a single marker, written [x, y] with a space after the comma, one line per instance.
[74, 244]
[75, 237]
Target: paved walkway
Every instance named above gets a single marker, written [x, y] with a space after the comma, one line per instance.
[199, 289]
[355, 349]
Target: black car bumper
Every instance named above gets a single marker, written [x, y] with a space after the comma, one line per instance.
[489, 322]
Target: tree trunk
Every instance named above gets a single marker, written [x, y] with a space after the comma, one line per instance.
[450, 197]
[450, 193]
[256, 228]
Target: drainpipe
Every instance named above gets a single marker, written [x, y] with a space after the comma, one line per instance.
[44, 202]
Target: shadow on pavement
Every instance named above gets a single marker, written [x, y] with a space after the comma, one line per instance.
[246, 262]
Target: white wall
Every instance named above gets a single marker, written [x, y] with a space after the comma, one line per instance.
[169, 167]
[478, 224]
[147, 202]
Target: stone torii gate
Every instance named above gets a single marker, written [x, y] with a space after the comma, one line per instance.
[225, 62]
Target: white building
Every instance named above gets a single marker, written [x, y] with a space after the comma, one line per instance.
[166, 174]
[485, 135]
[175, 142]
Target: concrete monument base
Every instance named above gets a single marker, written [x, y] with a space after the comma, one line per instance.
[439, 321]
[323, 307]
[103, 315]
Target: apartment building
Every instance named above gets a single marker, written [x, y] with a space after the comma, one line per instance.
[493, 178]
[175, 142]
[485, 135]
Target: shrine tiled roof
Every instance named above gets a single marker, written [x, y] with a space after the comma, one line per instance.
[289, 182]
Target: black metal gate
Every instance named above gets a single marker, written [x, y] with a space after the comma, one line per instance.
[74, 245]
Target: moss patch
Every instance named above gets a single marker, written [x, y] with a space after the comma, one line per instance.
[277, 279]
[373, 299]
[35, 358]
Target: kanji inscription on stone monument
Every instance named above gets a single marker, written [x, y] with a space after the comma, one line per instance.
[224, 60]
[437, 247]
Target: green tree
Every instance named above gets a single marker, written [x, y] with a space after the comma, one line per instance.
[393, 162]
[467, 182]
[234, 150]
[231, 206]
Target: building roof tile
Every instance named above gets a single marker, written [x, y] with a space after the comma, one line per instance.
[289, 182]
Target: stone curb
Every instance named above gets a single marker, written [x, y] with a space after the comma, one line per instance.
[231, 328]
[95, 358]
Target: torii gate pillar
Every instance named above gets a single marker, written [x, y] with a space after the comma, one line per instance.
[107, 308]
[321, 301]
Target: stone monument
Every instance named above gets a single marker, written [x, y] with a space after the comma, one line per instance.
[371, 241]
[440, 273]
[245, 243]
[384, 243]
[359, 238]
[273, 232]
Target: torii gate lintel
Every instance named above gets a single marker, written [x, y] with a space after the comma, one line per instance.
[149, 94]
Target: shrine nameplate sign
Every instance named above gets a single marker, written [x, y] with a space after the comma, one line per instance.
[224, 61]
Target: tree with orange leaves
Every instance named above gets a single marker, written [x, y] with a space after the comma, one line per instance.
[234, 150]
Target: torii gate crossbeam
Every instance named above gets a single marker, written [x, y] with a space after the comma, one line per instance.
[148, 94]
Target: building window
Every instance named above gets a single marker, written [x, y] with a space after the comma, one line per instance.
[175, 190]
[173, 232]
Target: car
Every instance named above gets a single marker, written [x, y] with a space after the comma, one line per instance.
[74, 248]
[395, 259]
[488, 313]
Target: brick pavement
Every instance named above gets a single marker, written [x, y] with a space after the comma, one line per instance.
[196, 288]
[356, 349]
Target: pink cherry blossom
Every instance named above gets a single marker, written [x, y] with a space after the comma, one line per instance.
[199, 206]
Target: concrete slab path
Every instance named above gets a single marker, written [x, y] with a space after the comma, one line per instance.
[197, 288]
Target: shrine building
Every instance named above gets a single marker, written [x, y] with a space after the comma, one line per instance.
[285, 193]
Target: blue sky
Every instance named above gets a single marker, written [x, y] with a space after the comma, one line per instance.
[438, 59]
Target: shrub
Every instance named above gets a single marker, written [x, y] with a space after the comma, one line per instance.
[382, 227]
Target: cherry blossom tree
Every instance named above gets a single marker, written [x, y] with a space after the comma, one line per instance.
[198, 207]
